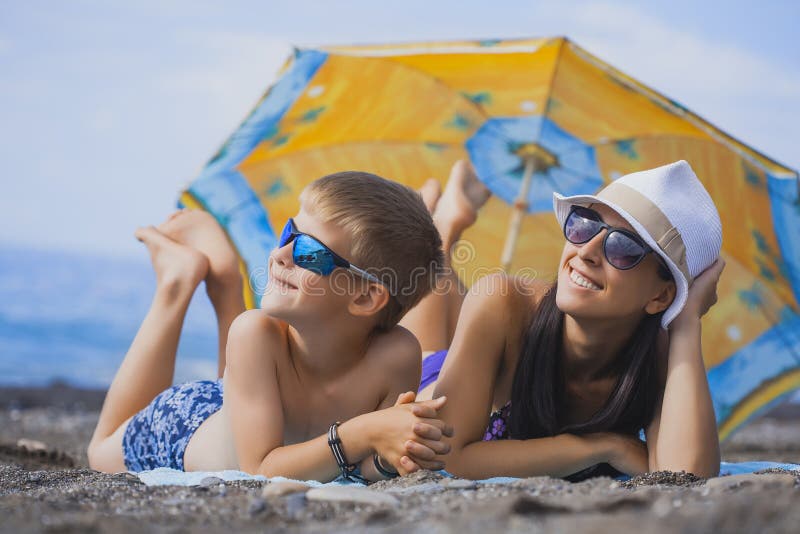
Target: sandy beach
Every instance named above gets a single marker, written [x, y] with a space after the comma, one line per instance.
[47, 486]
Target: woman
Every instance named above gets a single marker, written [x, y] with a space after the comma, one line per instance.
[559, 379]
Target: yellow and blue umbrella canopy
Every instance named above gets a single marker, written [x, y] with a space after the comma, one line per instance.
[534, 116]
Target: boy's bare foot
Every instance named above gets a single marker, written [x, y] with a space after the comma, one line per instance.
[178, 268]
[458, 206]
[199, 230]
[430, 193]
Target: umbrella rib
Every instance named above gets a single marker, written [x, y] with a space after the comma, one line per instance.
[437, 47]
[334, 145]
[574, 173]
[427, 75]
[556, 64]
[608, 141]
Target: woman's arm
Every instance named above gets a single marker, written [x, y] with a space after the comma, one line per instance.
[683, 434]
[493, 313]
[557, 456]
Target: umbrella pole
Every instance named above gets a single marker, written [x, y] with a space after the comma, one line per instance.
[520, 208]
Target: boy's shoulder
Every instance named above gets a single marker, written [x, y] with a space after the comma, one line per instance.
[396, 348]
[393, 363]
[257, 324]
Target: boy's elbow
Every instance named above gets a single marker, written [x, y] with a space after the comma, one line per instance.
[91, 456]
[101, 457]
[255, 466]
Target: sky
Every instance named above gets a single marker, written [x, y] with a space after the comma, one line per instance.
[107, 109]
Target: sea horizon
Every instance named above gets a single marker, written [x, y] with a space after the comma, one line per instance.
[70, 316]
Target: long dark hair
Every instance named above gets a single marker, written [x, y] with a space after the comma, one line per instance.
[538, 392]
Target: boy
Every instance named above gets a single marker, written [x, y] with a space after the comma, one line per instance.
[323, 348]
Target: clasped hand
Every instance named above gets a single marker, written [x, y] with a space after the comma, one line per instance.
[410, 434]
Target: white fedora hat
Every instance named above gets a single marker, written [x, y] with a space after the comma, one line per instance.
[672, 212]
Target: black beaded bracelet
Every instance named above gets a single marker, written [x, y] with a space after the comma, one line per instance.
[349, 471]
[382, 470]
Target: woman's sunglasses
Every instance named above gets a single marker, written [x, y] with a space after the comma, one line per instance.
[623, 249]
[310, 253]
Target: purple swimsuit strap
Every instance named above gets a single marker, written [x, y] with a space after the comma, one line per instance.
[431, 366]
[498, 424]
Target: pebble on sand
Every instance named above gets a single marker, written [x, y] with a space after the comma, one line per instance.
[350, 494]
[31, 445]
[278, 489]
[458, 483]
[129, 478]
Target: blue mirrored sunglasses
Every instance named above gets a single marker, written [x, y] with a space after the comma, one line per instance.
[310, 253]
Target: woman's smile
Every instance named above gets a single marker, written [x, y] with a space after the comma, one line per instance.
[581, 281]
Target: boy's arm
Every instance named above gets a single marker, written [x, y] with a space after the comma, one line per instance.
[256, 413]
[253, 401]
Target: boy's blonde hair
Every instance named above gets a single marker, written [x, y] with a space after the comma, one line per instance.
[392, 233]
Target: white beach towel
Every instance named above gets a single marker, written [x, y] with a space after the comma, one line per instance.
[170, 477]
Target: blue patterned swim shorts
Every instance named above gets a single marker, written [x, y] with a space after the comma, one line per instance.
[158, 435]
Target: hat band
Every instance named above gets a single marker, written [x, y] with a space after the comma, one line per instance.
[653, 219]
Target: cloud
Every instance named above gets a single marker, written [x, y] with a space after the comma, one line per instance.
[232, 69]
[747, 94]
[666, 56]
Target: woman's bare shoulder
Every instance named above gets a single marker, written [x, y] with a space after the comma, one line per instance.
[507, 299]
[511, 291]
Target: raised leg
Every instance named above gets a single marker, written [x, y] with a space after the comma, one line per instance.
[433, 320]
[149, 365]
[199, 230]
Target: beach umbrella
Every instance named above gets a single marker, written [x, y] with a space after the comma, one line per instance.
[534, 116]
